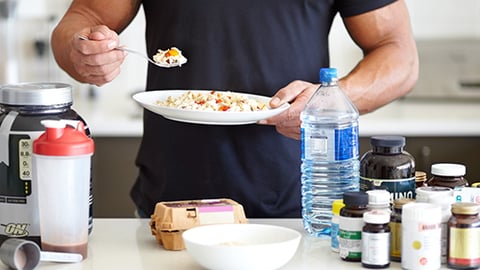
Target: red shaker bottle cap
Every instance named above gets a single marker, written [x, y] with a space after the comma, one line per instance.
[60, 139]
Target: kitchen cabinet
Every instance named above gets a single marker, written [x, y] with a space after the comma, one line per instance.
[114, 170]
[114, 173]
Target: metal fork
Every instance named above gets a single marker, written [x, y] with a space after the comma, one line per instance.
[123, 48]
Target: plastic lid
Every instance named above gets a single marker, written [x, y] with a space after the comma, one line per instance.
[355, 198]
[38, 94]
[448, 169]
[387, 141]
[399, 203]
[378, 197]
[465, 208]
[328, 74]
[421, 212]
[337, 205]
[62, 140]
[376, 217]
[425, 194]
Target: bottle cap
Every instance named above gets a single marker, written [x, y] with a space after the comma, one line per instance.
[465, 208]
[377, 197]
[421, 212]
[337, 205]
[355, 198]
[376, 217]
[387, 141]
[448, 169]
[61, 139]
[425, 194]
[328, 74]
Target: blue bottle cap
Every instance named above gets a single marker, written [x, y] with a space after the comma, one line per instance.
[327, 74]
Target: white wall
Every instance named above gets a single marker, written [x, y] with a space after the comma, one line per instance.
[431, 19]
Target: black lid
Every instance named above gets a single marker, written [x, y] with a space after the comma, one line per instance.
[355, 198]
[387, 141]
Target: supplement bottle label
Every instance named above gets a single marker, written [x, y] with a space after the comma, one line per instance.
[396, 239]
[350, 238]
[375, 249]
[421, 246]
[460, 254]
[330, 144]
[398, 188]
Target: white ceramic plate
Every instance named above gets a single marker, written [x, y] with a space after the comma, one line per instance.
[149, 101]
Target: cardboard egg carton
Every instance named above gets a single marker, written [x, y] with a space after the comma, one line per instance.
[170, 219]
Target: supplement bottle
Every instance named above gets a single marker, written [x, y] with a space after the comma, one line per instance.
[22, 107]
[448, 175]
[329, 146]
[388, 166]
[351, 225]
[421, 236]
[376, 239]
[443, 197]
[463, 250]
[336, 207]
[396, 229]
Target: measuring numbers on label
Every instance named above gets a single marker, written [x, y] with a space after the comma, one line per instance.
[25, 159]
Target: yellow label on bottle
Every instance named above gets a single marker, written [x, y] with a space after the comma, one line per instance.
[395, 239]
[464, 243]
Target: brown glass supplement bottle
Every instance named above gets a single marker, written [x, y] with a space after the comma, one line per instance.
[463, 249]
[351, 225]
[448, 175]
[376, 239]
[388, 166]
[396, 229]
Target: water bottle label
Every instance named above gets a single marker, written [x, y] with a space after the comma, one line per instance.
[346, 146]
[330, 144]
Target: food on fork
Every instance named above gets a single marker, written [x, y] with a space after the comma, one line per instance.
[214, 101]
[171, 57]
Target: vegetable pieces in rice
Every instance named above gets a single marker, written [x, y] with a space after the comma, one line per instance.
[214, 101]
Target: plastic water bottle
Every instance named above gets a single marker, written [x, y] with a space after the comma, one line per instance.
[330, 164]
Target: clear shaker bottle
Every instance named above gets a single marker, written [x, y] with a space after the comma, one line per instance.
[61, 168]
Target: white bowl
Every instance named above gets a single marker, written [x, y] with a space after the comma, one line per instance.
[241, 246]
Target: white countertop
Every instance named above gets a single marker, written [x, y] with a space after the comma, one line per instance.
[121, 116]
[128, 244]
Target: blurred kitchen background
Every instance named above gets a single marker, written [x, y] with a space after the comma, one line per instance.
[440, 118]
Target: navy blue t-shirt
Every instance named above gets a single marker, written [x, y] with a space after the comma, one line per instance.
[255, 46]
